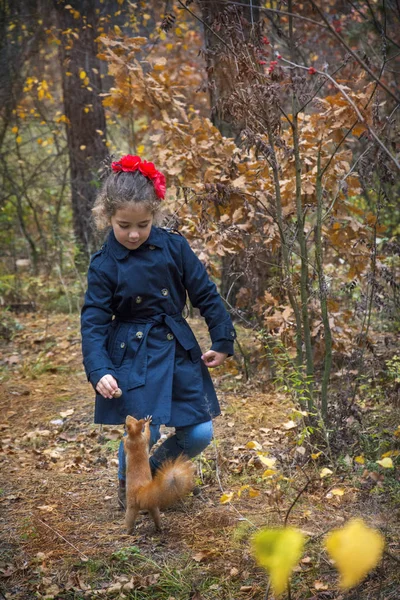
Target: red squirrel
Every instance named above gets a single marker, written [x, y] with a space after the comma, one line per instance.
[172, 481]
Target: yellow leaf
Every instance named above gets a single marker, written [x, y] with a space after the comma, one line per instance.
[386, 463]
[391, 453]
[268, 462]
[316, 455]
[356, 549]
[83, 147]
[253, 493]
[225, 498]
[140, 149]
[360, 460]
[82, 74]
[253, 445]
[278, 551]
[18, 139]
[269, 473]
[14, 129]
[337, 492]
[242, 489]
[325, 472]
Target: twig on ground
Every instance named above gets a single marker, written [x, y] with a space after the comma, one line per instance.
[63, 538]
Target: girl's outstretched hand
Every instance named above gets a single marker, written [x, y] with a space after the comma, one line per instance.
[213, 359]
[107, 386]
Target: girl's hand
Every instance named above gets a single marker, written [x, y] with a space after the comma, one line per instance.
[213, 359]
[107, 386]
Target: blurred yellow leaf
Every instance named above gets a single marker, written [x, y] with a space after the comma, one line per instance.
[242, 489]
[316, 455]
[325, 472]
[386, 463]
[18, 139]
[266, 460]
[14, 129]
[337, 492]
[82, 74]
[391, 453]
[360, 460]
[225, 498]
[269, 473]
[253, 493]
[254, 445]
[278, 551]
[356, 549]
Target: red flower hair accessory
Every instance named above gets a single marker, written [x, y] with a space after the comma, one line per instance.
[130, 163]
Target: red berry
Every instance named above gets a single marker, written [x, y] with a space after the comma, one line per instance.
[278, 56]
[312, 71]
[265, 40]
[262, 62]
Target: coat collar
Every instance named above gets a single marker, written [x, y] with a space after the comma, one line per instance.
[120, 252]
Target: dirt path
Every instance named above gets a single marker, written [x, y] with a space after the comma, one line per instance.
[62, 533]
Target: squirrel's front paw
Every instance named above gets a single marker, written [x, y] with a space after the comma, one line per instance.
[148, 419]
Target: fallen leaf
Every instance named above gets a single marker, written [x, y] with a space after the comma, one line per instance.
[266, 460]
[67, 413]
[325, 472]
[225, 498]
[254, 445]
[319, 585]
[386, 463]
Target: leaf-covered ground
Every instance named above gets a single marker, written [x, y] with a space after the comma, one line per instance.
[63, 535]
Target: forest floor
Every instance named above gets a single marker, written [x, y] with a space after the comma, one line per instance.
[63, 536]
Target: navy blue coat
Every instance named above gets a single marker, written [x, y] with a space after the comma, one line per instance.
[133, 328]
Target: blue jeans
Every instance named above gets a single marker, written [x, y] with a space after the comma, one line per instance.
[189, 440]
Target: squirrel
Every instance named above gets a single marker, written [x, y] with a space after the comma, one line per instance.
[172, 481]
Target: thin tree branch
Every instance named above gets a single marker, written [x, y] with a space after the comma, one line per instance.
[354, 54]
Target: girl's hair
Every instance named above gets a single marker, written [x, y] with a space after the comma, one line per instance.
[124, 188]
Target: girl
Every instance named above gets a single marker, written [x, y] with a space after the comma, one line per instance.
[133, 334]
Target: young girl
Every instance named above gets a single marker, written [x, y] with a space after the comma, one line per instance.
[133, 333]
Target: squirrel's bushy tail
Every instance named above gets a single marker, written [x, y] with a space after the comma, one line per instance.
[171, 482]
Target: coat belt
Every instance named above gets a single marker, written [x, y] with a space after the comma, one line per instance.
[178, 326]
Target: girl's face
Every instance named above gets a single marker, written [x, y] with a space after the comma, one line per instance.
[132, 225]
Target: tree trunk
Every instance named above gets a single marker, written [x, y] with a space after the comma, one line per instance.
[86, 127]
[221, 66]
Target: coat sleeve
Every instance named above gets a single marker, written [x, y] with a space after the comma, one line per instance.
[203, 295]
[96, 318]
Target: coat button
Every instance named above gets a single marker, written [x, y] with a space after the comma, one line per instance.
[151, 247]
[164, 292]
[139, 335]
[138, 299]
[122, 344]
[170, 336]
